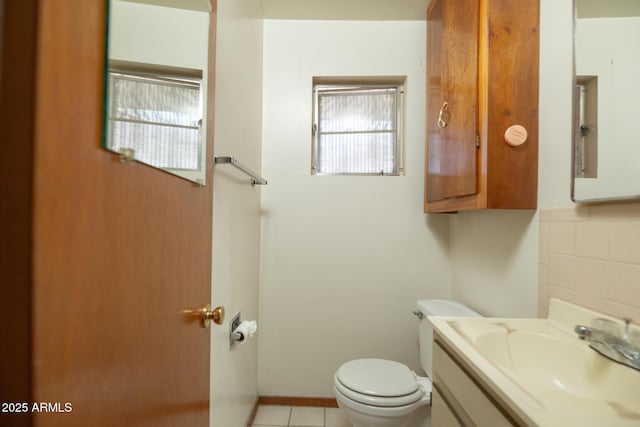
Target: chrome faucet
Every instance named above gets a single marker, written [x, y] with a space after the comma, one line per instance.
[607, 339]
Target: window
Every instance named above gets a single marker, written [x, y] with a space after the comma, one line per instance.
[158, 116]
[357, 128]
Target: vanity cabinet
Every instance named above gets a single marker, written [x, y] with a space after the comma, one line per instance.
[482, 97]
[459, 398]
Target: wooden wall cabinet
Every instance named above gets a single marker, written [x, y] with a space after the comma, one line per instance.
[482, 79]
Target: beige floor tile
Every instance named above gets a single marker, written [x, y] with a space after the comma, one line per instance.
[334, 418]
[272, 415]
[306, 417]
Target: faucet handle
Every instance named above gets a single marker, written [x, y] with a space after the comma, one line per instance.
[605, 325]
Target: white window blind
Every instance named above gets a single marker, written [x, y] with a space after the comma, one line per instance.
[357, 130]
[158, 117]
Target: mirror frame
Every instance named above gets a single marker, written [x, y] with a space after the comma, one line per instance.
[595, 200]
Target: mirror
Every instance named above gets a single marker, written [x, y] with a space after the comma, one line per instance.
[156, 88]
[606, 103]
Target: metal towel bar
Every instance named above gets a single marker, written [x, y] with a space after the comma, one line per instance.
[255, 178]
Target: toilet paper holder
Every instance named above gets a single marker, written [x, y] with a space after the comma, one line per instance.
[240, 331]
[233, 335]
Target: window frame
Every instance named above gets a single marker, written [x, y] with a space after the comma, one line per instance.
[364, 83]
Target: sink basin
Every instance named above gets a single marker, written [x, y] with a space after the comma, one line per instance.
[532, 353]
[564, 364]
[540, 370]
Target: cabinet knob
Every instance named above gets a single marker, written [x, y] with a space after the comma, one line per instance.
[515, 135]
[442, 123]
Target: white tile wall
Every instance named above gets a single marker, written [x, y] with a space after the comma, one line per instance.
[590, 255]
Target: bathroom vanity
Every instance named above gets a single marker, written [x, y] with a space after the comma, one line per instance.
[529, 372]
[459, 399]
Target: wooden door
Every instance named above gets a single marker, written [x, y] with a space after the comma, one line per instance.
[110, 260]
[452, 99]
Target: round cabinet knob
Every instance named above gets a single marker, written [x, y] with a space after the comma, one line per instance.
[516, 135]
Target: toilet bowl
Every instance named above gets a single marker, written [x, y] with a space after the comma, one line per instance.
[385, 393]
[379, 393]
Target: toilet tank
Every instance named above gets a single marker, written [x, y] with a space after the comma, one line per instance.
[436, 307]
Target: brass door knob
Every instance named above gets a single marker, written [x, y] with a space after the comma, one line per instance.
[217, 315]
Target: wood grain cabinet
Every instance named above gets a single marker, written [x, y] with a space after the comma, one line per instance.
[482, 102]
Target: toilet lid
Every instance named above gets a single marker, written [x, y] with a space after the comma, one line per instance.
[383, 402]
[379, 378]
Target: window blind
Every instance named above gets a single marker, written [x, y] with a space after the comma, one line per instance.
[158, 117]
[357, 131]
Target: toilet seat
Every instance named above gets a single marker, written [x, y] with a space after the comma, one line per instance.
[378, 382]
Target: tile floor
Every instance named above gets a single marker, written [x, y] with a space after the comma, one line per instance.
[299, 416]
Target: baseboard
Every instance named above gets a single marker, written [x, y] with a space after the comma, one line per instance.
[254, 411]
[322, 402]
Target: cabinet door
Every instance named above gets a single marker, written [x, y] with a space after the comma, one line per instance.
[452, 99]
[441, 414]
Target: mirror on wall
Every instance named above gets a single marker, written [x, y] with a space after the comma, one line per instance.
[156, 88]
[606, 101]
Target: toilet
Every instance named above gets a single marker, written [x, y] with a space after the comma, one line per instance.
[385, 393]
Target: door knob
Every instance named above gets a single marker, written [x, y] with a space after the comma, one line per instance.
[217, 315]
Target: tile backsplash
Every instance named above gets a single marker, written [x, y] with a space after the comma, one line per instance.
[590, 256]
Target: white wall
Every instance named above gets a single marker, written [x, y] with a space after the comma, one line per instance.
[324, 276]
[343, 259]
[494, 262]
[158, 35]
[556, 94]
[494, 254]
[236, 206]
